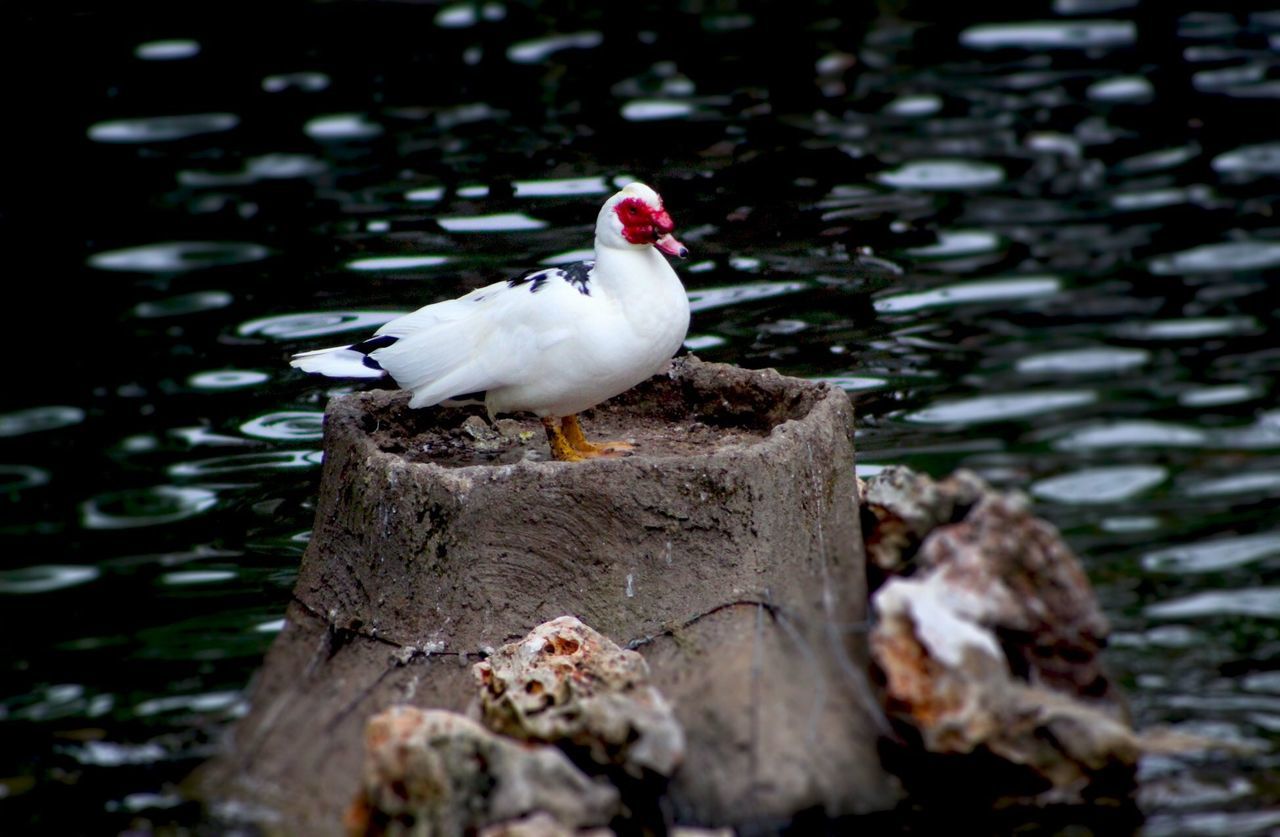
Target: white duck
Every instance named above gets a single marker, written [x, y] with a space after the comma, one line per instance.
[552, 342]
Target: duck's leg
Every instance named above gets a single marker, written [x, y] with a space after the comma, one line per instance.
[561, 449]
[573, 434]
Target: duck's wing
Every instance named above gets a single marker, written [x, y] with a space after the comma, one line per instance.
[490, 338]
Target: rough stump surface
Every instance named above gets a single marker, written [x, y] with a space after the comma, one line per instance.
[727, 550]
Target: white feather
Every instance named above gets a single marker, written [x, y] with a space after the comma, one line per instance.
[338, 362]
[553, 351]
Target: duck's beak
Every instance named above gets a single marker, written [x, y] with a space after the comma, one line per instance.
[669, 245]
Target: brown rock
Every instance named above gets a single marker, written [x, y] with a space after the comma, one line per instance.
[438, 773]
[992, 648]
[566, 684]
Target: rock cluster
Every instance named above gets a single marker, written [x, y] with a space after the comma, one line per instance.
[564, 690]
[988, 638]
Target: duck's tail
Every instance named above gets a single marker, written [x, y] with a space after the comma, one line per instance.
[338, 362]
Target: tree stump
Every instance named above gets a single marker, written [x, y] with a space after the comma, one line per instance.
[727, 550]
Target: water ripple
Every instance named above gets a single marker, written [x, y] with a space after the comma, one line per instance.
[1214, 258]
[186, 577]
[171, 50]
[1262, 602]
[1256, 160]
[227, 379]
[985, 290]
[162, 128]
[45, 578]
[1213, 555]
[1032, 35]
[942, 175]
[560, 187]
[463, 15]
[1131, 434]
[39, 419]
[499, 222]
[1260, 483]
[954, 244]
[305, 82]
[1100, 485]
[15, 478]
[341, 126]
[287, 426]
[396, 262]
[649, 110]
[266, 167]
[1101, 359]
[139, 507]
[705, 298]
[181, 304]
[1188, 328]
[175, 256]
[247, 462]
[1003, 407]
[540, 49]
[317, 324]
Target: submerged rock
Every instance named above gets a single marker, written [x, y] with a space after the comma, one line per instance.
[991, 649]
[438, 773]
[566, 684]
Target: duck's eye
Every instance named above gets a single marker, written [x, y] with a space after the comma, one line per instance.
[633, 210]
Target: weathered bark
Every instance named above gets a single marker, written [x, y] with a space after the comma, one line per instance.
[727, 551]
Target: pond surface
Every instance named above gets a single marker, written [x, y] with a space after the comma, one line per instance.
[1043, 248]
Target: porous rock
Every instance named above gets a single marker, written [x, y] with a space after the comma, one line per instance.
[568, 685]
[434, 772]
[992, 648]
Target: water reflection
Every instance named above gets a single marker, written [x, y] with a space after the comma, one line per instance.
[498, 222]
[942, 174]
[177, 256]
[140, 507]
[247, 463]
[1003, 407]
[305, 82]
[1100, 485]
[318, 324]
[173, 50]
[397, 262]
[228, 379]
[39, 419]
[1055, 231]
[1214, 555]
[162, 128]
[342, 126]
[45, 578]
[1090, 361]
[182, 304]
[15, 478]
[1209, 258]
[1075, 34]
[560, 188]
[286, 426]
[703, 299]
[1262, 602]
[540, 49]
[987, 290]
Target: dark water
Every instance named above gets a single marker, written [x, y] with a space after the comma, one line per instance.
[1045, 251]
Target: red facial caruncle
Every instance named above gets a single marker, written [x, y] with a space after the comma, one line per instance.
[642, 224]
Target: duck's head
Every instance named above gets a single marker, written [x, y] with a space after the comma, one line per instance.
[635, 218]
